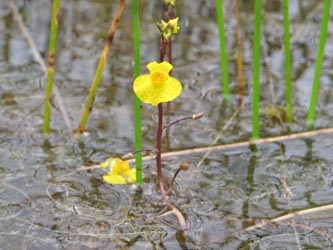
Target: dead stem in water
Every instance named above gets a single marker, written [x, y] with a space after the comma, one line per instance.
[99, 71]
[245, 143]
[239, 53]
[209, 149]
[289, 216]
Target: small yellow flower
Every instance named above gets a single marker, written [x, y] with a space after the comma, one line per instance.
[162, 25]
[168, 28]
[158, 86]
[120, 171]
[173, 24]
[171, 2]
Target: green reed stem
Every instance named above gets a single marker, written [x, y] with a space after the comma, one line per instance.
[256, 69]
[289, 114]
[137, 103]
[99, 72]
[223, 53]
[318, 65]
[50, 66]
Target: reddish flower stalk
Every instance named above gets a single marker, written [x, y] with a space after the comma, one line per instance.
[192, 117]
[158, 149]
[164, 45]
[168, 106]
[159, 134]
[162, 48]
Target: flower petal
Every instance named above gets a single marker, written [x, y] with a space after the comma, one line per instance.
[141, 85]
[162, 25]
[148, 93]
[107, 163]
[130, 175]
[174, 25]
[164, 67]
[120, 166]
[174, 88]
[114, 179]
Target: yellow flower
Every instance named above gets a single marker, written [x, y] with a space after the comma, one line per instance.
[171, 2]
[169, 28]
[120, 171]
[162, 25]
[158, 86]
[173, 24]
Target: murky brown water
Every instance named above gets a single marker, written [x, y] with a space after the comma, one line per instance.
[48, 202]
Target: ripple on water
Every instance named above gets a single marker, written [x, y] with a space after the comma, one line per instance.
[318, 240]
[290, 241]
[86, 202]
[13, 200]
[301, 177]
[10, 210]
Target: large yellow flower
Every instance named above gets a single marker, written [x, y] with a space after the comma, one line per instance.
[158, 86]
[120, 171]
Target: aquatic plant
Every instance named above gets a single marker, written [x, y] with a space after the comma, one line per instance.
[223, 53]
[137, 103]
[256, 69]
[319, 62]
[286, 22]
[50, 66]
[155, 88]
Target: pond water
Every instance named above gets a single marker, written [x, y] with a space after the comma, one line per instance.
[51, 198]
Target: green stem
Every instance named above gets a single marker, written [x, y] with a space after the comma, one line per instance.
[223, 53]
[319, 61]
[287, 61]
[137, 103]
[51, 62]
[256, 70]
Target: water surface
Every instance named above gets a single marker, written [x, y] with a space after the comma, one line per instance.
[51, 199]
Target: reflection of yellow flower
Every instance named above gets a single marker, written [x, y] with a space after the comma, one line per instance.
[158, 86]
[120, 171]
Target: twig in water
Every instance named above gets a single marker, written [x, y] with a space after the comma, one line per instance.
[288, 216]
